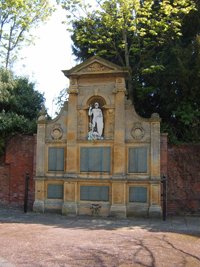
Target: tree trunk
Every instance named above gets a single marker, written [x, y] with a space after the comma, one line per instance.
[9, 48]
[127, 62]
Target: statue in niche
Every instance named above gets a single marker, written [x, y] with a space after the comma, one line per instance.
[96, 122]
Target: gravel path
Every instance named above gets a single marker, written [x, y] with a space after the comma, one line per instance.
[54, 240]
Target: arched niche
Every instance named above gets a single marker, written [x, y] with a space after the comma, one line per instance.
[96, 132]
[98, 99]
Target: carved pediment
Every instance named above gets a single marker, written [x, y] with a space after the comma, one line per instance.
[95, 67]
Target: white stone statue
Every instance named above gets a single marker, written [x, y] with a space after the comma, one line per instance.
[96, 122]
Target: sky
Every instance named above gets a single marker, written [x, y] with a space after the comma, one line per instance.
[43, 62]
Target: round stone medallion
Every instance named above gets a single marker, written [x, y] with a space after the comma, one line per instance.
[137, 132]
[57, 133]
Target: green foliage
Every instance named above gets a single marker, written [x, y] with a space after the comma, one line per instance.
[19, 106]
[159, 43]
[175, 94]
[17, 18]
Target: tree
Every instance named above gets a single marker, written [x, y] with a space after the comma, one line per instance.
[19, 106]
[17, 18]
[174, 92]
[128, 29]
[148, 38]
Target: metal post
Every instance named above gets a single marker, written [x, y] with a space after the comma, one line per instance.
[164, 196]
[27, 177]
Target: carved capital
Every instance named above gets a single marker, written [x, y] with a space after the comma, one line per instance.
[121, 89]
[120, 85]
[73, 90]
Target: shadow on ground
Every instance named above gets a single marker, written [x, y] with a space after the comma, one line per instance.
[51, 240]
[175, 224]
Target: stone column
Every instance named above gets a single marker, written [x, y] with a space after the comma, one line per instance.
[40, 165]
[155, 205]
[38, 204]
[155, 209]
[118, 207]
[40, 149]
[72, 129]
[119, 130]
[155, 147]
[70, 204]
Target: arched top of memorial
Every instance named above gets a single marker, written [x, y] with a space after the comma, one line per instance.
[96, 66]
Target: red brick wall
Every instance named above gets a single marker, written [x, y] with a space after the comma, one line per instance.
[163, 154]
[19, 159]
[184, 179]
[4, 184]
[181, 165]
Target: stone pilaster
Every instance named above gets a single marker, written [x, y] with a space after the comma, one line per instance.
[38, 205]
[155, 205]
[40, 148]
[119, 130]
[70, 205]
[155, 147]
[72, 129]
[118, 207]
[155, 209]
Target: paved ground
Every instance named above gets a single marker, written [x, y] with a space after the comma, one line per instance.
[54, 240]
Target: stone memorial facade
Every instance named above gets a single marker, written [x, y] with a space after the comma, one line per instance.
[98, 156]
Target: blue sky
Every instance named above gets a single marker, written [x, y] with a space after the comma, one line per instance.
[43, 62]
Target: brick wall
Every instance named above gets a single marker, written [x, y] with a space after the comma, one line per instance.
[181, 165]
[163, 154]
[184, 179]
[4, 184]
[19, 159]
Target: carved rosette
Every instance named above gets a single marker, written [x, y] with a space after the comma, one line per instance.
[137, 131]
[57, 132]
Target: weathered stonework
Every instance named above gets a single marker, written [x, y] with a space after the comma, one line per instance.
[128, 182]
